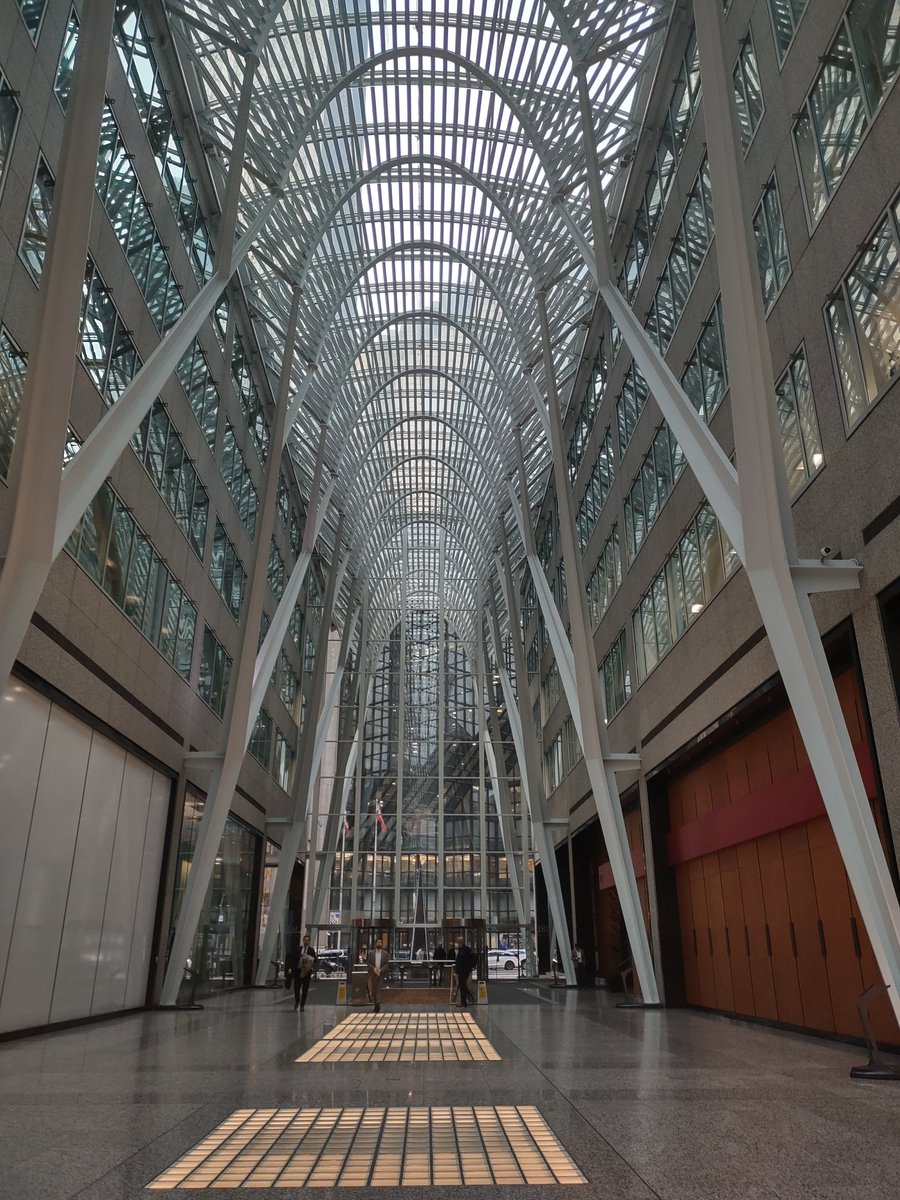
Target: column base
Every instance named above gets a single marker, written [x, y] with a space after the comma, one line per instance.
[877, 1068]
[178, 1008]
[638, 1004]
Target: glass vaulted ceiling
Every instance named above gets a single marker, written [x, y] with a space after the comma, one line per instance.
[430, 176]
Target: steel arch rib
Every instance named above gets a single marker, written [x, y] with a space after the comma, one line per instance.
[434, 160]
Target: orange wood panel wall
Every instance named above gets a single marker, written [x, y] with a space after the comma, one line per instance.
[769, 926]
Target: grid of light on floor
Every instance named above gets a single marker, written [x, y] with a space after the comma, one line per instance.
[403, 1037]
[375, 1147]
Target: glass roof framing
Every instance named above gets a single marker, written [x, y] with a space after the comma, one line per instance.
[430, 178]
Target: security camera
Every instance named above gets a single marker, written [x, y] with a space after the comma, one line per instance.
[828, 552]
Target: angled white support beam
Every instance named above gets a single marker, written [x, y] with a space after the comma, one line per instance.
[84, 475]
[707, 459]
[343, 776]
[528, 752]
[240, 716]
[586, 702]
[44, 413]
[278, 627]
[496, 761]
[780, 584]
[304, 777]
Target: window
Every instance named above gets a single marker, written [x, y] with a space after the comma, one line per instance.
[630, 405]
[785, 16]
[237, 480]
[857, 71]
[215, 673]
[606, 578]
[690, 244]
[771, 245]
[117, 554]
[131, 219]
[227, 572]
[695, 570]
[800, 438]
[553, 764]
[275, 572]
[13, 365]
[288, 683]
[705, 378]
[162, 452]
[283, 766]
[249, 397]
[587, 414]
[107, 351]
[534, 658]
[615, 676]
[62, 84]
[37, 219]
[596, 492]
[32, 14]
[660, 471]
[551, 692]
[198, 385]
[134, 46]
[260, 745]
[9, 123]
[864, 320]
[747, 91]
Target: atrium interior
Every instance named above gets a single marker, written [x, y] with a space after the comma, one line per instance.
[449, 510]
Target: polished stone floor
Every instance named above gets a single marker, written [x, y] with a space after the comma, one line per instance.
[674, 1105]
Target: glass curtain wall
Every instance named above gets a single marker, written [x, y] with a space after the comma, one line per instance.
[420, 810]
[224, 950]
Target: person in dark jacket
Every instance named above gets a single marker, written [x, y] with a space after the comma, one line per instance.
[465, 961]
[303, 973]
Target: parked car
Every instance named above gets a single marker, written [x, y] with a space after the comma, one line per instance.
[507, 960]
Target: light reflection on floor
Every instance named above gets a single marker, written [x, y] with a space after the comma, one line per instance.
[375, 1147]
[403, 1037]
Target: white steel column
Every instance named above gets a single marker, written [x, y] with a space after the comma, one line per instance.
[239, 719]
[441, 719]
[781, 585]
[364, 676]
[44, 412]
[521, 723]
[305, 775]
[401, 725]
[478, 684]
[496, 762]
[578, 672]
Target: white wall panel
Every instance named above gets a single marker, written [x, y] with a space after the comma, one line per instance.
[80, 947]
[24, 716]
[121, 897]
[34, 948]
[148, 891]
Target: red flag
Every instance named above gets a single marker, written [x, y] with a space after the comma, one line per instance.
[379, 818]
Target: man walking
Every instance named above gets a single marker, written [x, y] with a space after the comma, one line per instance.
[377, 961]
[465, 961]
[303, 973]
